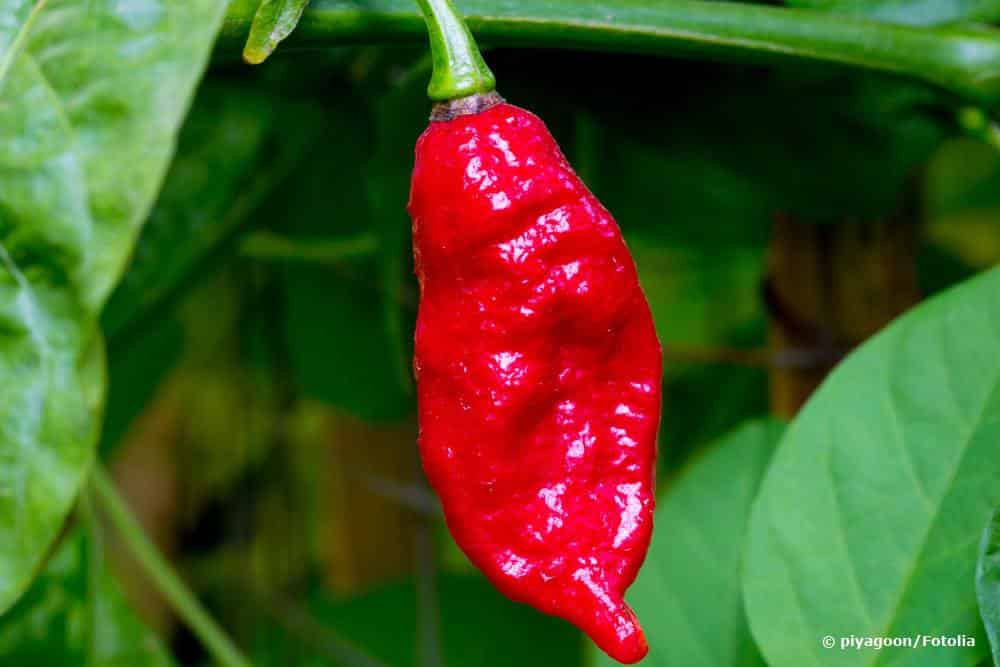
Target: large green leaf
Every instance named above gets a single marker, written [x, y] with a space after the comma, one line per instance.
[90, 102]
[868, 519]
[962, 60]
[988, 582]
[74, 614]
[688, 594]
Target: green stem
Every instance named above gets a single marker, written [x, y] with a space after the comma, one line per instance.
[8, 57]
[169, 584]
[264, 245]
[459, 68]
[962, 60]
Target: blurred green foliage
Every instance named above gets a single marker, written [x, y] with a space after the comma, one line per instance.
[74, 614]
[381, 626]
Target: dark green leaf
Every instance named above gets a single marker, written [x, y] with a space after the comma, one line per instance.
[74, 614]
[89, 111]
[988, 582]
[687, 594]
[868, 520]
[274, 20]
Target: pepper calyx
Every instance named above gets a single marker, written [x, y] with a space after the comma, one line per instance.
[465, 106]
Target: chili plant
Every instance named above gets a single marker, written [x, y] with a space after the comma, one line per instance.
[220, 347]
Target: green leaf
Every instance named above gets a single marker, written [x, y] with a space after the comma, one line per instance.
[687, 594]
[909, 12]
[274, 20]
[868, 519]
[988, 582]
[962, 60]
[74, 614]
[90, 102]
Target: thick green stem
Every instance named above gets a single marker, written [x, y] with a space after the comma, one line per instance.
[166, 580]
[962, 60]
[459, 68]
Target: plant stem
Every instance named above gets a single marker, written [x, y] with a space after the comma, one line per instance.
[265, 245]
[459, 69]
[962, 60]
[167, 581]
[14, 49]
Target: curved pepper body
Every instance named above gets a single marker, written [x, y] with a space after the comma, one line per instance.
[538, 372]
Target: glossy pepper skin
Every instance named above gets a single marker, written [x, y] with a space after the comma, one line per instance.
[538, 371]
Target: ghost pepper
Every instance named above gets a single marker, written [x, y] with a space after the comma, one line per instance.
[537, 364]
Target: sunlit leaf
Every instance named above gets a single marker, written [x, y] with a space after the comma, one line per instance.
[868, 520]
[90, 103]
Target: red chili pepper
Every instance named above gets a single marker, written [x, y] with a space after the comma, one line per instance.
[538, 367]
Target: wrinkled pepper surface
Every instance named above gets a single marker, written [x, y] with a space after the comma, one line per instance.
[538, 367]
